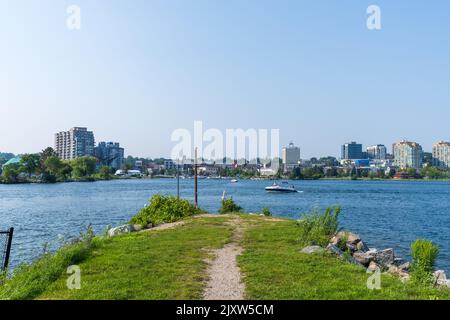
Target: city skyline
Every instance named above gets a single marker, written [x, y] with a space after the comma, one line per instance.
[134, 73]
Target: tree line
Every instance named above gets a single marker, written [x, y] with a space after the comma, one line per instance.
[47, 167]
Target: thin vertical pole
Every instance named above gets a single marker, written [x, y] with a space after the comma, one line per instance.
[8, 247]
[195, 181]
[178, 181]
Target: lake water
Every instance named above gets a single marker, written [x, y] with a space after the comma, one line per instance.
[384, 213]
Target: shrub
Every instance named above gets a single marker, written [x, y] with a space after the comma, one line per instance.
[164, 209]
[266, 212]
[424, 254]
[317, 228]
[229, 206]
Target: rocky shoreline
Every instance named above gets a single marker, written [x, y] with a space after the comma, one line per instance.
[350, 247]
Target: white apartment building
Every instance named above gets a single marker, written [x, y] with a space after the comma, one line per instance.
[377, 152]
[441, 155]
[77, 142]
[407, 154]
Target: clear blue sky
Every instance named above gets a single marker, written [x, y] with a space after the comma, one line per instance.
[139, 69]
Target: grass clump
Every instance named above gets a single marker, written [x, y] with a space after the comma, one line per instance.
[266, 211]
[424, 254]
[229, 206]
[317, 228]
[164, 209]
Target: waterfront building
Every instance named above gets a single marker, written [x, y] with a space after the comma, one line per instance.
[77, 142]
[110, 154]
[377, 152]
[169, 164]
[441, 155]
[351, 150]
[291, 157]
[407, 154]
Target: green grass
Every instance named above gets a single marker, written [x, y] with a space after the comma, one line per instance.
[170, 264]
[275, 268]
[166, 264]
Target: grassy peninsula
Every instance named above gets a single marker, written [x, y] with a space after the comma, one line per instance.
[172, 262]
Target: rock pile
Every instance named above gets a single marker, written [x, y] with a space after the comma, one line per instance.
[126, 228]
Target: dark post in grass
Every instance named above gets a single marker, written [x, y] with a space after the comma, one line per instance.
[7, 248]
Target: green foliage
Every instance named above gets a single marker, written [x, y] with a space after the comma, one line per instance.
[29, 163]
[434, 173]
[229, 206]
[317, 228]
[83, 166]
[10, 173]
[424, 254]
[164, 209]
[266, 212]
[274, 269]
[312, 173]
[105, 172]
[30, 280]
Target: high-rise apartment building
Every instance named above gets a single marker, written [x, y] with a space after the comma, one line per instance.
[291, 157]
[351, 150]
[110, 154]
[77, 142]
[377, 152]
[441, 155]
[408, 154]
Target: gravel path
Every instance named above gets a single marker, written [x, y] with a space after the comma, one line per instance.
[224, 275]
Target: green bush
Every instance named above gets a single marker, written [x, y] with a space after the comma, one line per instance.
[229, 206]
[424, 254]
[317, 228]
[266, 212]
[164, 209]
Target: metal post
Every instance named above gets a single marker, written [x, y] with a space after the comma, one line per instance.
[195, 181]
[178, 181]
[8, 247]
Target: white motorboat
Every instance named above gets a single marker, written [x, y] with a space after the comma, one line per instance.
[277, 188]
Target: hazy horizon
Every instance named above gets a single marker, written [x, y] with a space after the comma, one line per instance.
[136, 72]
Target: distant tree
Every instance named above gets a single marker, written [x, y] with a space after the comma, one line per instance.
[48, 152]
[65, 171]
[10, 173]
[105, 172]
[296, 174]
[53, 164]
[83, 166]
[29, 163]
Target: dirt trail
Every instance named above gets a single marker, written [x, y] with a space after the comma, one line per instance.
[224, 275]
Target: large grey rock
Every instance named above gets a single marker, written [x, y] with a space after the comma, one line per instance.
[335, 250]
[384, 257]
[127, 228]
[405, 266]
[373, 266]
[338, 252]
[363, 258]
[440, 278]
[312, 249]
[361, 246]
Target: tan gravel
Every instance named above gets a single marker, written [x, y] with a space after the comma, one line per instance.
[224, 275]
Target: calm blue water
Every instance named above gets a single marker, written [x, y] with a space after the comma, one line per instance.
[384, 213]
